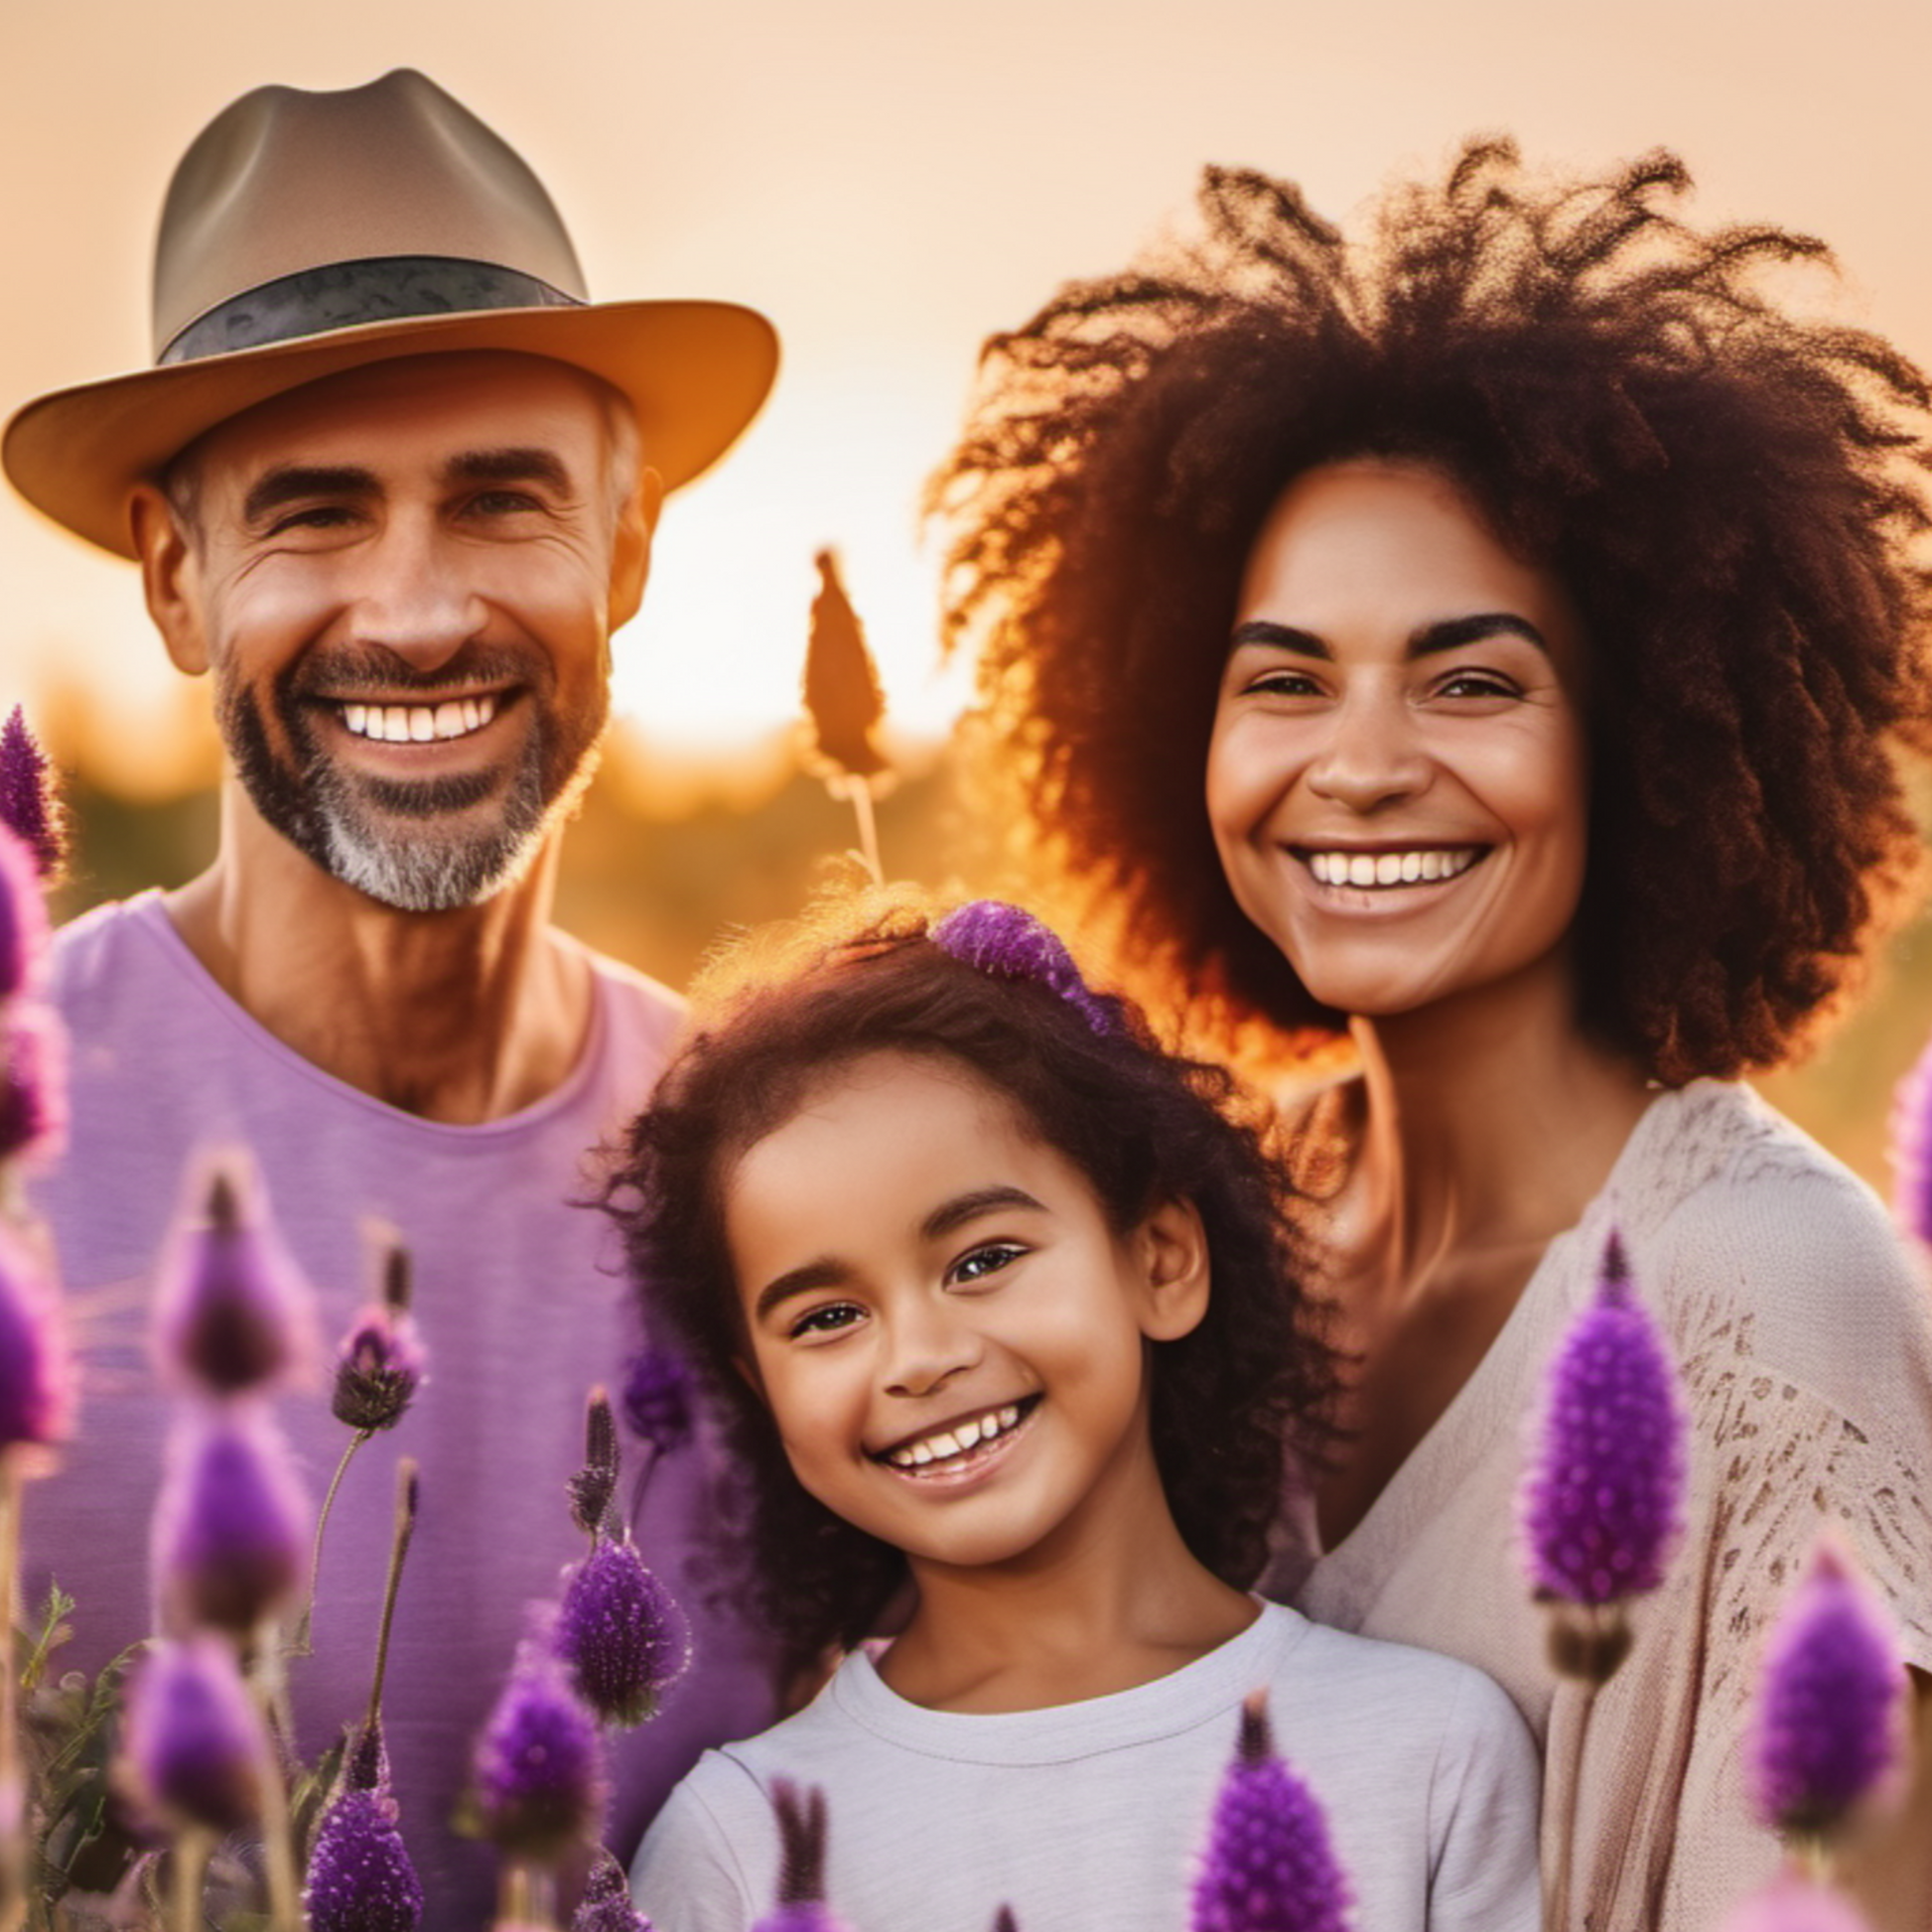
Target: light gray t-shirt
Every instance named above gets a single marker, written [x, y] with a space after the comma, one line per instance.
[521, 1308]
[1093, 1814]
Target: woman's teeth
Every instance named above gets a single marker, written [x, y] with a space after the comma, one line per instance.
[1392, 867]
[956, 1440]
[403, 724]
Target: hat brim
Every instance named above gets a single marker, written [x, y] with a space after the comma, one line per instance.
[696, 373]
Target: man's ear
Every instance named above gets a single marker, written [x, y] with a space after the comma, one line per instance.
[170, 577]
[1172, 1248]
[630, 545]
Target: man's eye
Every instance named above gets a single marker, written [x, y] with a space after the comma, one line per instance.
[828, 1318]
[317, 516]
[503, 502]
[987, 1259]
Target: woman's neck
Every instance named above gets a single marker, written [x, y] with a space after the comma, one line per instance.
[1114, 1601]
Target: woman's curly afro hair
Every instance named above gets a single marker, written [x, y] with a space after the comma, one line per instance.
[1732, 497]
[1228, 1402]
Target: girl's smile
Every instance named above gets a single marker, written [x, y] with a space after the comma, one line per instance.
[949, 1335]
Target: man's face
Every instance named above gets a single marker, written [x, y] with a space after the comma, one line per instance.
[404, 580]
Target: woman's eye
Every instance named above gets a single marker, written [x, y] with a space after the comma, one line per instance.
[985, 1259]
[1477, 685]
[828, 1318]
[1282, 683]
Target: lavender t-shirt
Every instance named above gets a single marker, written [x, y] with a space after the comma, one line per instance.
[521, 1311]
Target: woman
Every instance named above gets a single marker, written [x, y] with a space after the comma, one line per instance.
[1497, 642]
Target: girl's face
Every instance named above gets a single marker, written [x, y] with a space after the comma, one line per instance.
[949, 1336]
[1397, 776]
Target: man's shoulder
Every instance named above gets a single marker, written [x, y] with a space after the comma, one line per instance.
[638, 1016]
[97, 952]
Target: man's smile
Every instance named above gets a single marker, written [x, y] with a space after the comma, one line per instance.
[403, 724]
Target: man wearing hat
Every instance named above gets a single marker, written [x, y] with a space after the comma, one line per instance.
[391, 485]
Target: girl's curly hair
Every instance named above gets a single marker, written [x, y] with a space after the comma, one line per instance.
[1231, 1403]
[1732, 497]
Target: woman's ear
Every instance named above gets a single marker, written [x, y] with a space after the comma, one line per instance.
[1172, 1249]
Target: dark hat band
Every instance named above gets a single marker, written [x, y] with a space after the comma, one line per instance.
[341, 295]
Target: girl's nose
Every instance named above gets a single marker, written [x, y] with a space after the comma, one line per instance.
[926, 1348]
[1373, 754]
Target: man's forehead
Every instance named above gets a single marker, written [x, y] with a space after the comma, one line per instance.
[433, 410]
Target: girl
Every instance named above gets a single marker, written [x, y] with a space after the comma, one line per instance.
[1497, 642]
[1003, 1313]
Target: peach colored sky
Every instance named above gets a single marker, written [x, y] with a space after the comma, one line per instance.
[891, 182]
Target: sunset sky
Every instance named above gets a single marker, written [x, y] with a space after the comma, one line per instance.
[888, 183]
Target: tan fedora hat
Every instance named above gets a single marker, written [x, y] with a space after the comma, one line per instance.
[306, 233]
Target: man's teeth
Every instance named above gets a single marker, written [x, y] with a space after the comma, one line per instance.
[1392, 867]
[956, 1440]
[403, 724]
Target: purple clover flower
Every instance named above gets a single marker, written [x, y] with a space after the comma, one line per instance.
[1602, 1499]
[539, 1769]
[231, 1311]
[606, 1905]
[1266, 1866]
[801, 1905]
[23, 916]
[1911, 1148]
[32, 1084]
[658, 1399]
[1009, 944]
[36, 1373]
[230, 1531]
[193, 1743]
[360, 1878]
[1795, 1905]
[620, 1633]
[28, 806]
[1825, 1727]
[380, 1365]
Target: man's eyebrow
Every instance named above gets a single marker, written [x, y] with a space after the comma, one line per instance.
[1448, 633]
[288, 482]
[517, 464]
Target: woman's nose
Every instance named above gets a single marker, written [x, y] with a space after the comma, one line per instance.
[1371, 755]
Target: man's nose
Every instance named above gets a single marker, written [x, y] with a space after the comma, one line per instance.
[1372, 754]
[415, 596]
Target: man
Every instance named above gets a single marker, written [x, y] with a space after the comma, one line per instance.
[391, 485]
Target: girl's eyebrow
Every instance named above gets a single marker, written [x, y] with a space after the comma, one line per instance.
[1447, 633]
[829, 1271]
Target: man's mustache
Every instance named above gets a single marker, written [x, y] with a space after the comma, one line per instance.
[349, 671]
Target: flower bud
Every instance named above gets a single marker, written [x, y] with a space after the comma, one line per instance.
[230, 1542]
[360, 1878]
[28, 807]
[36, 1372]
[194, 1747]
[540, 1773]
[658, 1399]
[380, 1366]
[620, 1633]
[801, 1905]
[23, 916]
[606, 1905]
[32, 1084]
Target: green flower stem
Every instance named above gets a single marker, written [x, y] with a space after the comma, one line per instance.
[190, 1861]
[398, 1549]
[299, 1644]
[527, 1896]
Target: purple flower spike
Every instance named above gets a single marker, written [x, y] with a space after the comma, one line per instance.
[1795, 1905]
[380, 1366]
[193, 1744]
[658, 1399]
[32, 1084]
[1001, 939]
[606, 1905]
[539, 1769]
[28, 806]
[359, 1875]
[1911, 1148]
[23, 916]
[231, 1311]
[620, 1634]
[231, 1529]
[1829, 1701]
[1602, 1500]
[1266, 1866]
[36, 1373]
[801, 1905]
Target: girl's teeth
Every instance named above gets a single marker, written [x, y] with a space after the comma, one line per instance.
[957, 1440]
[418, 723]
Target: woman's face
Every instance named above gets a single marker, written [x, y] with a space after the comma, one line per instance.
[1397, 776]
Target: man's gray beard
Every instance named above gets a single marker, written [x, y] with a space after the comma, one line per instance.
[347, 825]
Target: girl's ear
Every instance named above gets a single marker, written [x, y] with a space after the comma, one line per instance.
[1172, 1249]
[746, 1368]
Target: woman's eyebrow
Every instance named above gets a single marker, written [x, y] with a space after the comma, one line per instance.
[1451, 634]
[1279, 636]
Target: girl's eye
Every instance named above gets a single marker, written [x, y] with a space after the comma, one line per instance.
[828, 1318]
[987, 1259]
